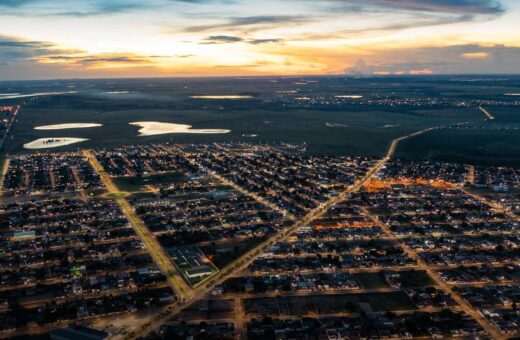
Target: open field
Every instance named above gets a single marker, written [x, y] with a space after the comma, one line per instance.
[471, 145]
[329, 304]
[138, 183]
[354, 132]
[342, 116]
[370, 280]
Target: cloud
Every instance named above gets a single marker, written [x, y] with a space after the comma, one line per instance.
[15, 3]
[222, 39]
[104, 59]
[14, 50]
[439, 6]
[475, 55]
[392, 15]
[264, 41]
[294, 35]
[241, 22]
[404, 68]
[448, 6]
[423, 71]
[112, 59]
[106, 7]
[7, 42]
[230, 39]
[436, 6]
[202, 1]
[73, 8]
[463, 59]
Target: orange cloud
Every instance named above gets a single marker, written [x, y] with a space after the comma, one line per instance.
[423, 71]
[475, 55]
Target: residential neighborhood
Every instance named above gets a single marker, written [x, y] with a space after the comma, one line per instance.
[255, 241]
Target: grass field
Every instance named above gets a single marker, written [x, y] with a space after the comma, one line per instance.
[473, 145]
[134, 184]
[408, 279]
[345, 129]
[328, 304]
[370, 280]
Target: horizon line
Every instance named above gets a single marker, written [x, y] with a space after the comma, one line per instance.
[278, 76]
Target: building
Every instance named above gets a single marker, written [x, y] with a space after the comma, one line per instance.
[77, 333]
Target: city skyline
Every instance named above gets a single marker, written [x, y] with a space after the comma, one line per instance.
[48, 39]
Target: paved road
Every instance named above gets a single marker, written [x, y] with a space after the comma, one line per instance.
[292, 293]
[5, 167]
[471, 178]
[486, 113]
[157, 252]
[9, 128]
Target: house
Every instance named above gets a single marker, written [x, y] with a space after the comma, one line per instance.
[77, 333]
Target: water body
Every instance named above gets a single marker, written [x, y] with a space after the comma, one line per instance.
[349, 96]
[225, 97]
[68, 126]
[52, 142]
[118, 92]
[27, 95]
[158, 128]
[335, 125]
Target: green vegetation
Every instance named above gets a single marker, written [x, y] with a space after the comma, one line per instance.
[415, 278]
[328, 304]
[408, 279]
[486, 143]
[371, 280]
[354, 129]
[221, 256]
[117, 195]
[142, 196]
[135, 184]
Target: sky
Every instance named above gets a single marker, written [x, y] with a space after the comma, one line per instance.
[51, 39]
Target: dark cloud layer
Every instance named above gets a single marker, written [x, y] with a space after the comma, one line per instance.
[13, 50]
[449, 6]
[78, 9]
[15, 3]
[230, 39]
[240, 22]
[222, 39]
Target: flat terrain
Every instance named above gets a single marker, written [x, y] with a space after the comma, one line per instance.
[339, 116]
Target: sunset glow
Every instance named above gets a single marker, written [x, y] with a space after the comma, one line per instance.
[127, 38]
